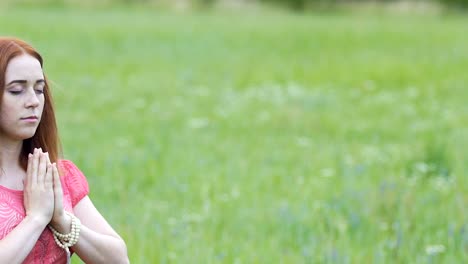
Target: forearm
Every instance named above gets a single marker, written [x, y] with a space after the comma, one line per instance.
[16, 246]
[93, 247]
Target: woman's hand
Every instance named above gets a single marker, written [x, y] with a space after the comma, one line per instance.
[38, 187]
[60, 221]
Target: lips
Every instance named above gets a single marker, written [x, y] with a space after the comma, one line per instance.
[29, 118]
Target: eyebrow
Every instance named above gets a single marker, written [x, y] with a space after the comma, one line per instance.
[24, 81]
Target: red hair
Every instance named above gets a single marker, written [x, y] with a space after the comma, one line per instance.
[46, 136]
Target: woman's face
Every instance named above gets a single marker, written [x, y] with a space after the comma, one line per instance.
[23, 98]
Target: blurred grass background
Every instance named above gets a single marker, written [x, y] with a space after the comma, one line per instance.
[263, 136]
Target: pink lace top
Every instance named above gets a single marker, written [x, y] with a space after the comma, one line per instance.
[75, 187]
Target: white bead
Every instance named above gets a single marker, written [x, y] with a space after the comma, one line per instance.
[68, 240]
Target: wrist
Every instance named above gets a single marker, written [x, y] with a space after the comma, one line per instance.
[37, 220]
[63, 224]
[67, 240]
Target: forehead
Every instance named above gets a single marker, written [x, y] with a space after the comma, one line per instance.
[23, 67]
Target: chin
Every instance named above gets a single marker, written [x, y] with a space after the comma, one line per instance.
[20, 134]
[26, 135]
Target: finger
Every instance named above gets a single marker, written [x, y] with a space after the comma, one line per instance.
[47, 158]
[49, 177]
[58, 193]
[35, 164]
[27, 180]
[42, 169]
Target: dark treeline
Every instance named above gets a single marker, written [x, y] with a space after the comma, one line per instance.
[298, 5]
[305, 4]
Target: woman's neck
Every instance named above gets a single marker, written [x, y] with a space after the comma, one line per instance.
[11, 173]
[9, 154]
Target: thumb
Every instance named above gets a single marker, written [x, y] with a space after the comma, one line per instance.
[58, 192]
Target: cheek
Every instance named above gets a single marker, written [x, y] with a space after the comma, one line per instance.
[42, 104]
[7, 117]
[7, 110]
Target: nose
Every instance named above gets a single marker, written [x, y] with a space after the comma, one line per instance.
[32, 100]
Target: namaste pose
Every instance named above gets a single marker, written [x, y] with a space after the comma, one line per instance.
[45, 212]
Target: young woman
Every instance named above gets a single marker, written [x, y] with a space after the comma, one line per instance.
[45, 211]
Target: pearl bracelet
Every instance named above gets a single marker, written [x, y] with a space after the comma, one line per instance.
[68, 240]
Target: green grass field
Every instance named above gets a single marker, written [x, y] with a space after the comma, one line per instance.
[265, 138]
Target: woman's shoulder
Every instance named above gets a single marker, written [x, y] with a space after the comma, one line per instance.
[74, 180]
[68, 168]
[66, 163]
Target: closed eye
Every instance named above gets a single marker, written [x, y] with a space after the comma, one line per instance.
[40, 87]
[15, 92]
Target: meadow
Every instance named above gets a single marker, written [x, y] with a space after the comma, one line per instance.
[218, 137]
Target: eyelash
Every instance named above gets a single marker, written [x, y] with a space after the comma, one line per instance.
[19, 92]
